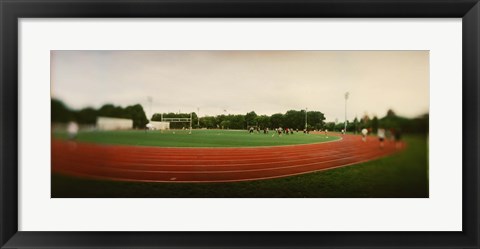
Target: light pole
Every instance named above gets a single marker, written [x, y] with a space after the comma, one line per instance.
[306, 110]
[346, 97]
[191, 116]
[198, 117]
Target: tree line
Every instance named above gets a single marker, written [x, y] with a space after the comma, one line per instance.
[295, 119]
[61, 113]
[391, 120]
[291, 119]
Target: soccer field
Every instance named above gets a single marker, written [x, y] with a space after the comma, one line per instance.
[198, 138]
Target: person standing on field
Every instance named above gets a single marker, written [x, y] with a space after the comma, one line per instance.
[364, 134]
[72, 130]
[381, 136]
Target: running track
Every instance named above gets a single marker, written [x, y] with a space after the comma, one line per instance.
[156, 164]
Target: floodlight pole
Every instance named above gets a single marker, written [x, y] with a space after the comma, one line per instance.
[198, 117]
[191, 114]
[346, 97]
[306, 110]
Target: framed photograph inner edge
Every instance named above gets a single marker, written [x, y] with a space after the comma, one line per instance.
[11, 11]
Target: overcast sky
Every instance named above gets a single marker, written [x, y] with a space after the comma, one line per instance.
[241, 81]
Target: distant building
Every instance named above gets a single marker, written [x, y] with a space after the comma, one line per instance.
[107, 123]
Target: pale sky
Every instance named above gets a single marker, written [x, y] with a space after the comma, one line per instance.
[266, 82]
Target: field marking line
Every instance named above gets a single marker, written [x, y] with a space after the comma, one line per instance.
[226, 147]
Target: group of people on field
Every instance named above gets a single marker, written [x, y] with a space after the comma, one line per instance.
[382, 133]
[278, 130]
[281, 131]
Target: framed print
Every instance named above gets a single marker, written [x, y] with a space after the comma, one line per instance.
[239, 124]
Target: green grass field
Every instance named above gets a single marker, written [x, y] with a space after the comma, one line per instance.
[198, 138]
[402, 175]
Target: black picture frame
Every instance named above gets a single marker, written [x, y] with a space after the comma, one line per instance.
[11, 11]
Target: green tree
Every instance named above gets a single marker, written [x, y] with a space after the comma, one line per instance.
[236, 121]
[339, 126]
[87, 116]
[294, 119]
[195, 120]
[137, 114]
[250, 119]
[208, 122]
[391, 113]
[365, 122]
[60, 112]
[109, 110]
[276, 120]
[316, 119]
[225, 124]
[375, 124]
[220, 119]
[330, 126]
[263, 121]
[355, 125]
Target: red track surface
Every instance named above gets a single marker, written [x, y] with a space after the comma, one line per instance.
[156, 164]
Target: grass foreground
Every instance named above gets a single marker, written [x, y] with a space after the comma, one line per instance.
[404, 174]
[198, 138]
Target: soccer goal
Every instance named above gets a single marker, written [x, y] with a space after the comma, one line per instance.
[180, 120]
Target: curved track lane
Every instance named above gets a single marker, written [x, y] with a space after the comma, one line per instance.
[156, 164]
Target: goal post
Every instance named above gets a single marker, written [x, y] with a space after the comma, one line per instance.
[179, 120]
